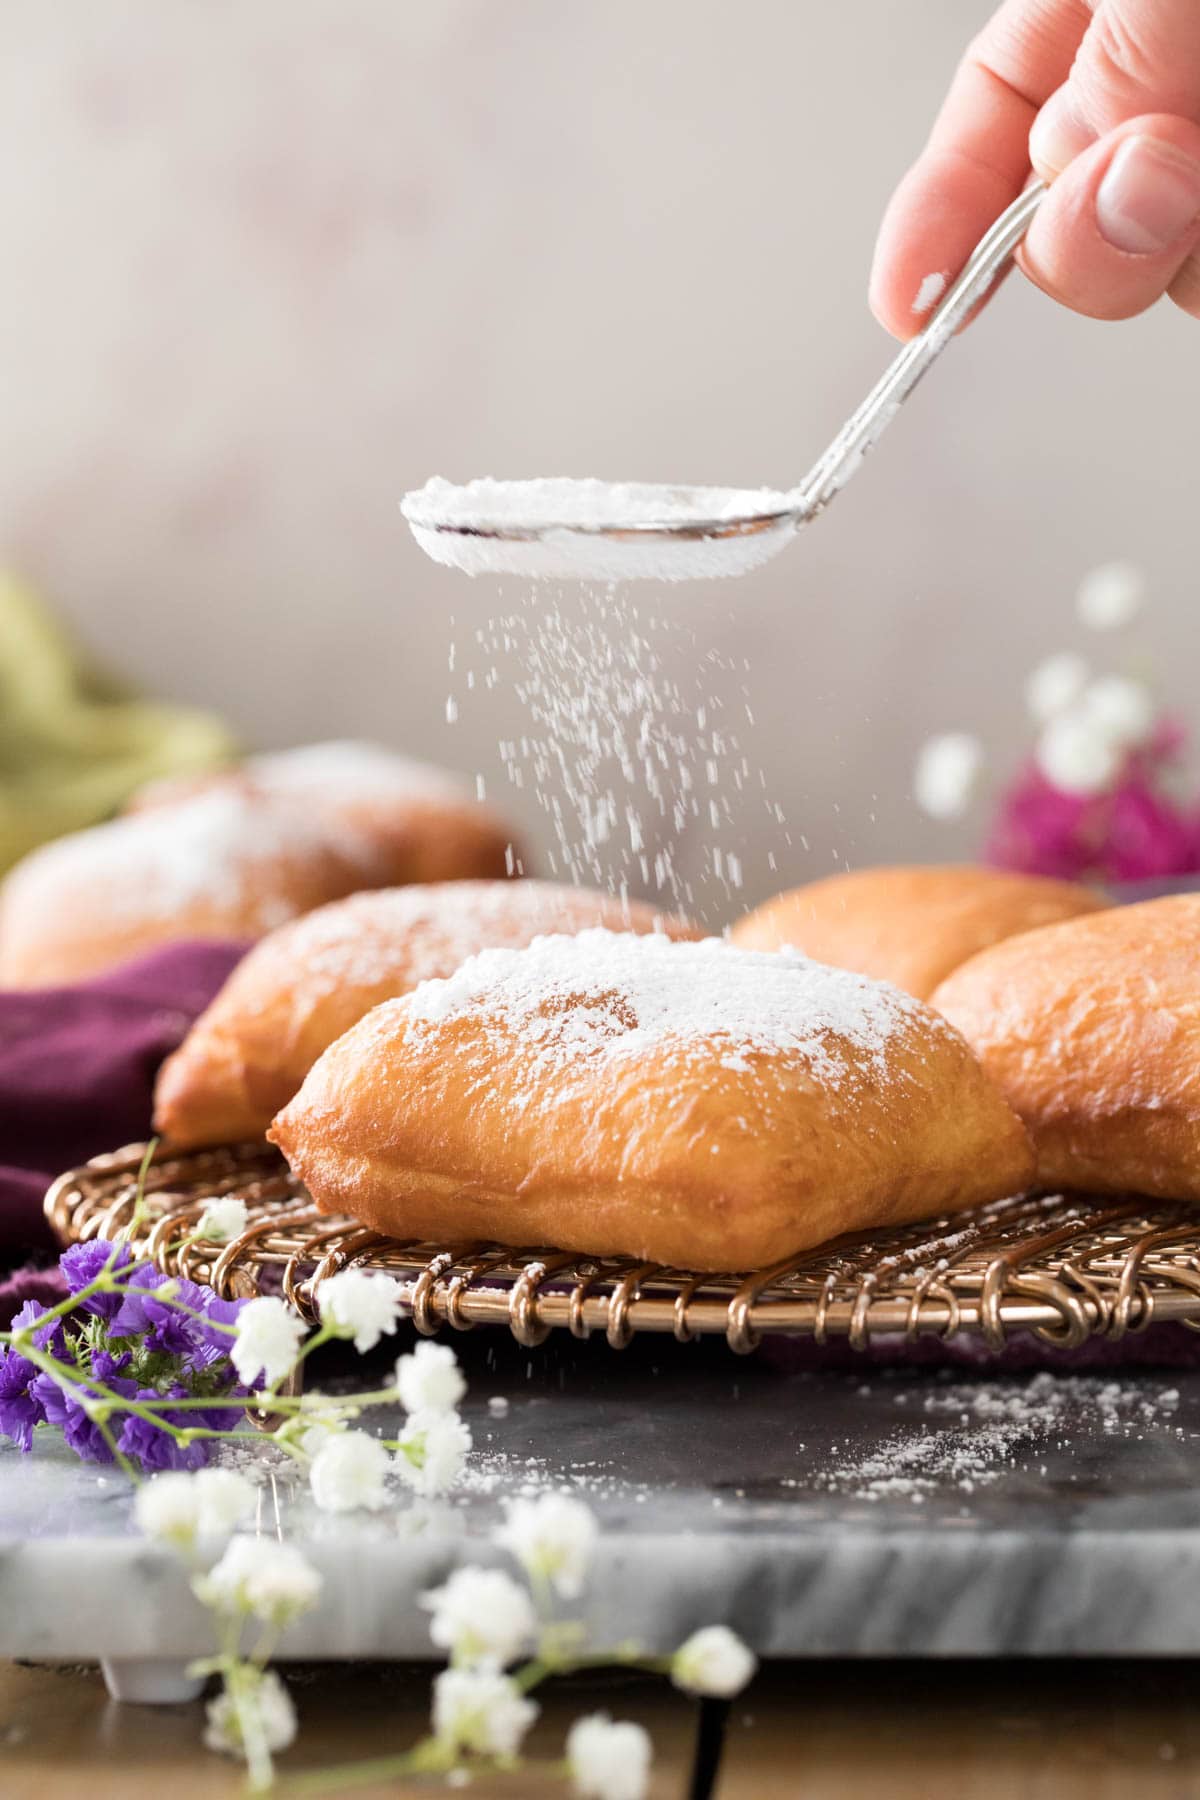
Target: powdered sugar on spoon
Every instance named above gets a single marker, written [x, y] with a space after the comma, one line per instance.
[621, 531]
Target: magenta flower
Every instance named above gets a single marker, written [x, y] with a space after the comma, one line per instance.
[1133, 832]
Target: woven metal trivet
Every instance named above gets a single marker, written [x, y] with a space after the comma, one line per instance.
[1066, 1268]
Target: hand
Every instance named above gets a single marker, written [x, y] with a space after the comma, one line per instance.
[1102, 97]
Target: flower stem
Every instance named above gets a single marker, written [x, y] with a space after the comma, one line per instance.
[428, 1757]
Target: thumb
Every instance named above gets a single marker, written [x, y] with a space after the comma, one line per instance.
[1136, 57]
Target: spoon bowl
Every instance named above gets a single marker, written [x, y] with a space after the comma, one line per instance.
[615, 531]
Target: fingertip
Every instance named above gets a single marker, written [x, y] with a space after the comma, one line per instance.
[936, 217]
[1185, 288]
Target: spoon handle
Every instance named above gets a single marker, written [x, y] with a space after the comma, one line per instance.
[866, 425]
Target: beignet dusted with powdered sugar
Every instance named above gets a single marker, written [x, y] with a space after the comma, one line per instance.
[311, 980]
[420, 822]
[1092, 1031]
[225, 864]
[910, 925]
[689, 1103]
[234, 853]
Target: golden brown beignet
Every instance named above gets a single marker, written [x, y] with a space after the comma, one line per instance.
[910, 926]
[1092, 1031]
[308, 982]
[684, 1102]
[423, 823]
[227, 864]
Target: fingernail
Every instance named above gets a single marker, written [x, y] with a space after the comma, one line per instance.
[1148, 197]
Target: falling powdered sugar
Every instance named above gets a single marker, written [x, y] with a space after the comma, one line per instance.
[613, 996]
[633, 763]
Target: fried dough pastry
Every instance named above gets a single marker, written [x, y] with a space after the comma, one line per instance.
[910, 926]
[688, 1103]
[1092, 1031]
[311, 980]
[422, 823]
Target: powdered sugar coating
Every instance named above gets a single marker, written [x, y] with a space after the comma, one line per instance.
[346, 769]
[618, 996]
[220, 850]
[353, 943]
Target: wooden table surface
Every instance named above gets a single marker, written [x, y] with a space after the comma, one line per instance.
[841, 1731]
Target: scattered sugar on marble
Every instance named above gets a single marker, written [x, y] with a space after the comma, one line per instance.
[995, 1423]
[490, 1473]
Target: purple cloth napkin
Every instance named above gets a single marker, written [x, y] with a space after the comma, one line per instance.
[77, 1068]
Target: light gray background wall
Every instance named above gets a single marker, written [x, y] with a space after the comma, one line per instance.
[267, 264]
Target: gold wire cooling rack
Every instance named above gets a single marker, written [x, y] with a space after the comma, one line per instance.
[1065, 1268]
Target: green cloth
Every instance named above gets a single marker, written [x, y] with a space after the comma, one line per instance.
[73, 744]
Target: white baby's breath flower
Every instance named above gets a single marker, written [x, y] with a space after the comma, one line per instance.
[480, 1710]
[225, 1499]
[179, 1508]
[433, 1449]
[356, 1304]
[270, 1580]
[1120, 708]
[1077, 757]
[313, 1438]
[1110, 596]
[349, 1471]
[223, 1220]
[429, 1378]
[481, 1616]
[552, 1538]
[273, 1711]
[269, 1335]
[947, 774]
[713, 1660]
[166, 1508]
[609, 1758]
[1055, 685]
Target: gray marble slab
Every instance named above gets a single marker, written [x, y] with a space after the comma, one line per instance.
[849, 1512]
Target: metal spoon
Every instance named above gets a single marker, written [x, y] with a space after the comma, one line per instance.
[609, 531]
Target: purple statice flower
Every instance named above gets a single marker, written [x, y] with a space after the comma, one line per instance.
[155, 1448]
[82, 1263]
[196, 1340]
[20, 1408]
[105, 1366]
[50, 1338]
[165, 1325]
[64, 1407]
[209, 1344]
